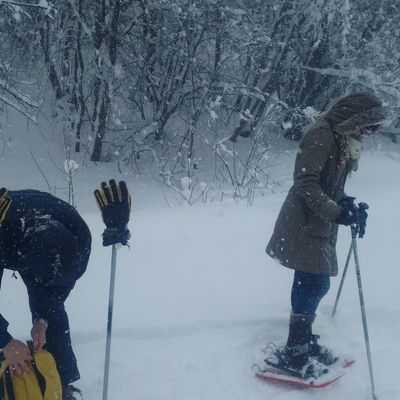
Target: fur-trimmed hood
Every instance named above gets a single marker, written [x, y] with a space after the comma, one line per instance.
[356, 111]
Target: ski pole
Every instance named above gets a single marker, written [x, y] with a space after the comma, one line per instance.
[109, 322]
[342, 280]
[354, 231]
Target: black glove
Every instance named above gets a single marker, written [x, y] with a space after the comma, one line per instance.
[349, 213]
[353, 214]
[114, 202]
[5, 203]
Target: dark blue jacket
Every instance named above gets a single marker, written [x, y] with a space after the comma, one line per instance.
[48, 243]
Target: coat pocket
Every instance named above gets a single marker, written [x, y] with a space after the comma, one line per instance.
[317, 227]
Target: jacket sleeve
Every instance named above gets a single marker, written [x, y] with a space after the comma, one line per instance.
[313, 155]
[5, 337]
[45, 301]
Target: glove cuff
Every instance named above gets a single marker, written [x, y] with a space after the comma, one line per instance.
[116, 235]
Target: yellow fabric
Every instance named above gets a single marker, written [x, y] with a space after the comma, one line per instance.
[5, 203]
[28, 388]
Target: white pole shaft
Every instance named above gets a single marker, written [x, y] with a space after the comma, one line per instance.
[342, 280]
[364, 316]
[109, 322]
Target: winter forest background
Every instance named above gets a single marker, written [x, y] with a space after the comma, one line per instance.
[200, 95]
[200, 102]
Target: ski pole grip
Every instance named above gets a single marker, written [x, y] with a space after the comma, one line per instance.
[363, 206]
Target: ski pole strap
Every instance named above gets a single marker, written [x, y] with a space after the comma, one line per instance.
[354, 230]
[6, 386]
[40, 379]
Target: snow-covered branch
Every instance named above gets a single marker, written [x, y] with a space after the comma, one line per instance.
[42, 4]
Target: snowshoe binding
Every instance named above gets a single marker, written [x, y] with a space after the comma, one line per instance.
[322, 353]
[301, 366]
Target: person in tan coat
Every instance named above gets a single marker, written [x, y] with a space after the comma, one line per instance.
[305, 233]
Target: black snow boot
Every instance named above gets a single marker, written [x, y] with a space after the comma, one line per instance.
[298, 347]
[70, 392]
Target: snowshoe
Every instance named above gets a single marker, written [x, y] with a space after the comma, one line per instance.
[303, 361]
[313, 374]
[301, 366]
[277, 376]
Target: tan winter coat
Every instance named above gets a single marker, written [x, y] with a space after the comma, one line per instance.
[305, 232]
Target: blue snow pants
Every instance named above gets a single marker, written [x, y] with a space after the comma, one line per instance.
[48, 302]
[307, 291]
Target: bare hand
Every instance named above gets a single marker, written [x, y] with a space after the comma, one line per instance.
[38, 334]
[18, 356]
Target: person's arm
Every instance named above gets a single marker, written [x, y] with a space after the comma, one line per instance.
[311, 160]
[41, 303]
[45, 302]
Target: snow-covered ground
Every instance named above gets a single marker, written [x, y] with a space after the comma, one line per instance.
[197, 297]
